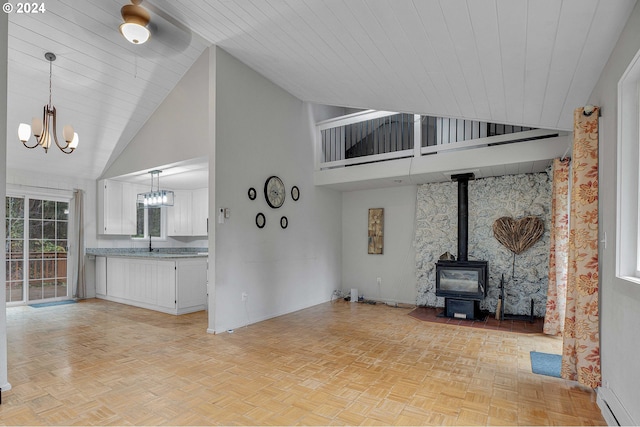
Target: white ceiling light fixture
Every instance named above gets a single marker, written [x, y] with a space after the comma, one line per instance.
[134, 28]
[42, 129]
[156, 197]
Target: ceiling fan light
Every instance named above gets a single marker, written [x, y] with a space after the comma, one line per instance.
[135, 20]
[24, 132]
[36, 126]
[134, 33]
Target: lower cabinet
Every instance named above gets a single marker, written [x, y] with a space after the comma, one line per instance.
[101, 276]
[174, 286]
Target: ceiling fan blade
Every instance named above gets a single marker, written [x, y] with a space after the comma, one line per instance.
[168, 35]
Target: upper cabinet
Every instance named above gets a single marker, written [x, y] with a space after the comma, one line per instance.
[116, 207]
[200, 205]
[188, 215]
[179, 221]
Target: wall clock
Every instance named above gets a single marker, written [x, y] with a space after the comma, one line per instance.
[274, 192]
[284, 222]
[295, 193]
[260, 220]
[252, 193]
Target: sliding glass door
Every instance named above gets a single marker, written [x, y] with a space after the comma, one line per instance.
[15, 249]
[36, 249]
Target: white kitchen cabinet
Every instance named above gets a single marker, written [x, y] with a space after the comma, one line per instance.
[173, 286]
[200, 211]
[142, 281]
[191, 277]
[179, 222]
[101, 275]
[165, 283]
[116, 207]
[189, 213]
[117, 277]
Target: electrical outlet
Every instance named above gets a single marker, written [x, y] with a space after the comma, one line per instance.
[379, 281]
[245, 296]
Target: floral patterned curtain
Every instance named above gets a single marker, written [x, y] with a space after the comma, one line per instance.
[559, 250]
[581, 347]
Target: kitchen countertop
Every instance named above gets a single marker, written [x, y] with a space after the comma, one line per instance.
[160, 253]
[155, 255]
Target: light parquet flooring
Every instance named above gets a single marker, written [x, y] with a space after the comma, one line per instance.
[102, 363]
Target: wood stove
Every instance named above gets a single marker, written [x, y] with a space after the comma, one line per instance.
[462, 283]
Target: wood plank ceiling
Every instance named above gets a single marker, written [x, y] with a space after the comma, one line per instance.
[102, 85]
[507, 61]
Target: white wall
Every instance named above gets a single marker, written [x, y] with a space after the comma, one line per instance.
[619, 299]
[396, 266]
[4, 27]
[260, 131]
[178, 130]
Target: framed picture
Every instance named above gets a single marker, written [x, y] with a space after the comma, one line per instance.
[376, 231]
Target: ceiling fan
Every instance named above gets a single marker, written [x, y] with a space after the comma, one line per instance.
[136, 18]
[150, 22]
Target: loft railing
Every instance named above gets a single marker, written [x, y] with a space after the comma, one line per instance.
[372, 136]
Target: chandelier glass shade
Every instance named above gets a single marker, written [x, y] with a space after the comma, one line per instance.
[42, 130]
[156, 197]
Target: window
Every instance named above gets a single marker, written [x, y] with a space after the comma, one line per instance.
[628, 165]
[149, 222]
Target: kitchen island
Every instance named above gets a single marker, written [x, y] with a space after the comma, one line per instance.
[170, 282]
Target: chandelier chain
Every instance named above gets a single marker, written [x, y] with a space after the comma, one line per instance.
[50, 76]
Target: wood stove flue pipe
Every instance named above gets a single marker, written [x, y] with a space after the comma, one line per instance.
[463, 213]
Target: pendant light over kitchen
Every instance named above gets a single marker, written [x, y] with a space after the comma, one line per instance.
[156, 197]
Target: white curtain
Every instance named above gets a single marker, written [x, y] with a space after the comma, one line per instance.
[78, 278]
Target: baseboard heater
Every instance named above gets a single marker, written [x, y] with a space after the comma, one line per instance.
[612, 409]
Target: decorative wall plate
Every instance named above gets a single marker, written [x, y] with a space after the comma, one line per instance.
[260, 220]
[252, 193]
[295, 193]
[284, 222]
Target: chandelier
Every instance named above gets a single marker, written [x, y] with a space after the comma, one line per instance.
[156, 197]
[42, 129]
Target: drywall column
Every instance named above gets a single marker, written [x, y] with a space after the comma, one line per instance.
[4, 27]
[211, 267]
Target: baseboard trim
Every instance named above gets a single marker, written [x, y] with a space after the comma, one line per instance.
[612, 409]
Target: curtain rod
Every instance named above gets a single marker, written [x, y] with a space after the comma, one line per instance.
[43, 188]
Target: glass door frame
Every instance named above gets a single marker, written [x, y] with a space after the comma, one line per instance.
[49, 195]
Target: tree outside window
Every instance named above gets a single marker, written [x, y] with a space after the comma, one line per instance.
[148, 222]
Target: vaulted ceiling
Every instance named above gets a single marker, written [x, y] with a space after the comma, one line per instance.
[507, 61]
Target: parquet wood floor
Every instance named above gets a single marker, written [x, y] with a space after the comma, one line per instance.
[102, 363]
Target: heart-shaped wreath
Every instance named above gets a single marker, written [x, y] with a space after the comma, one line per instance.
[518, 235]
